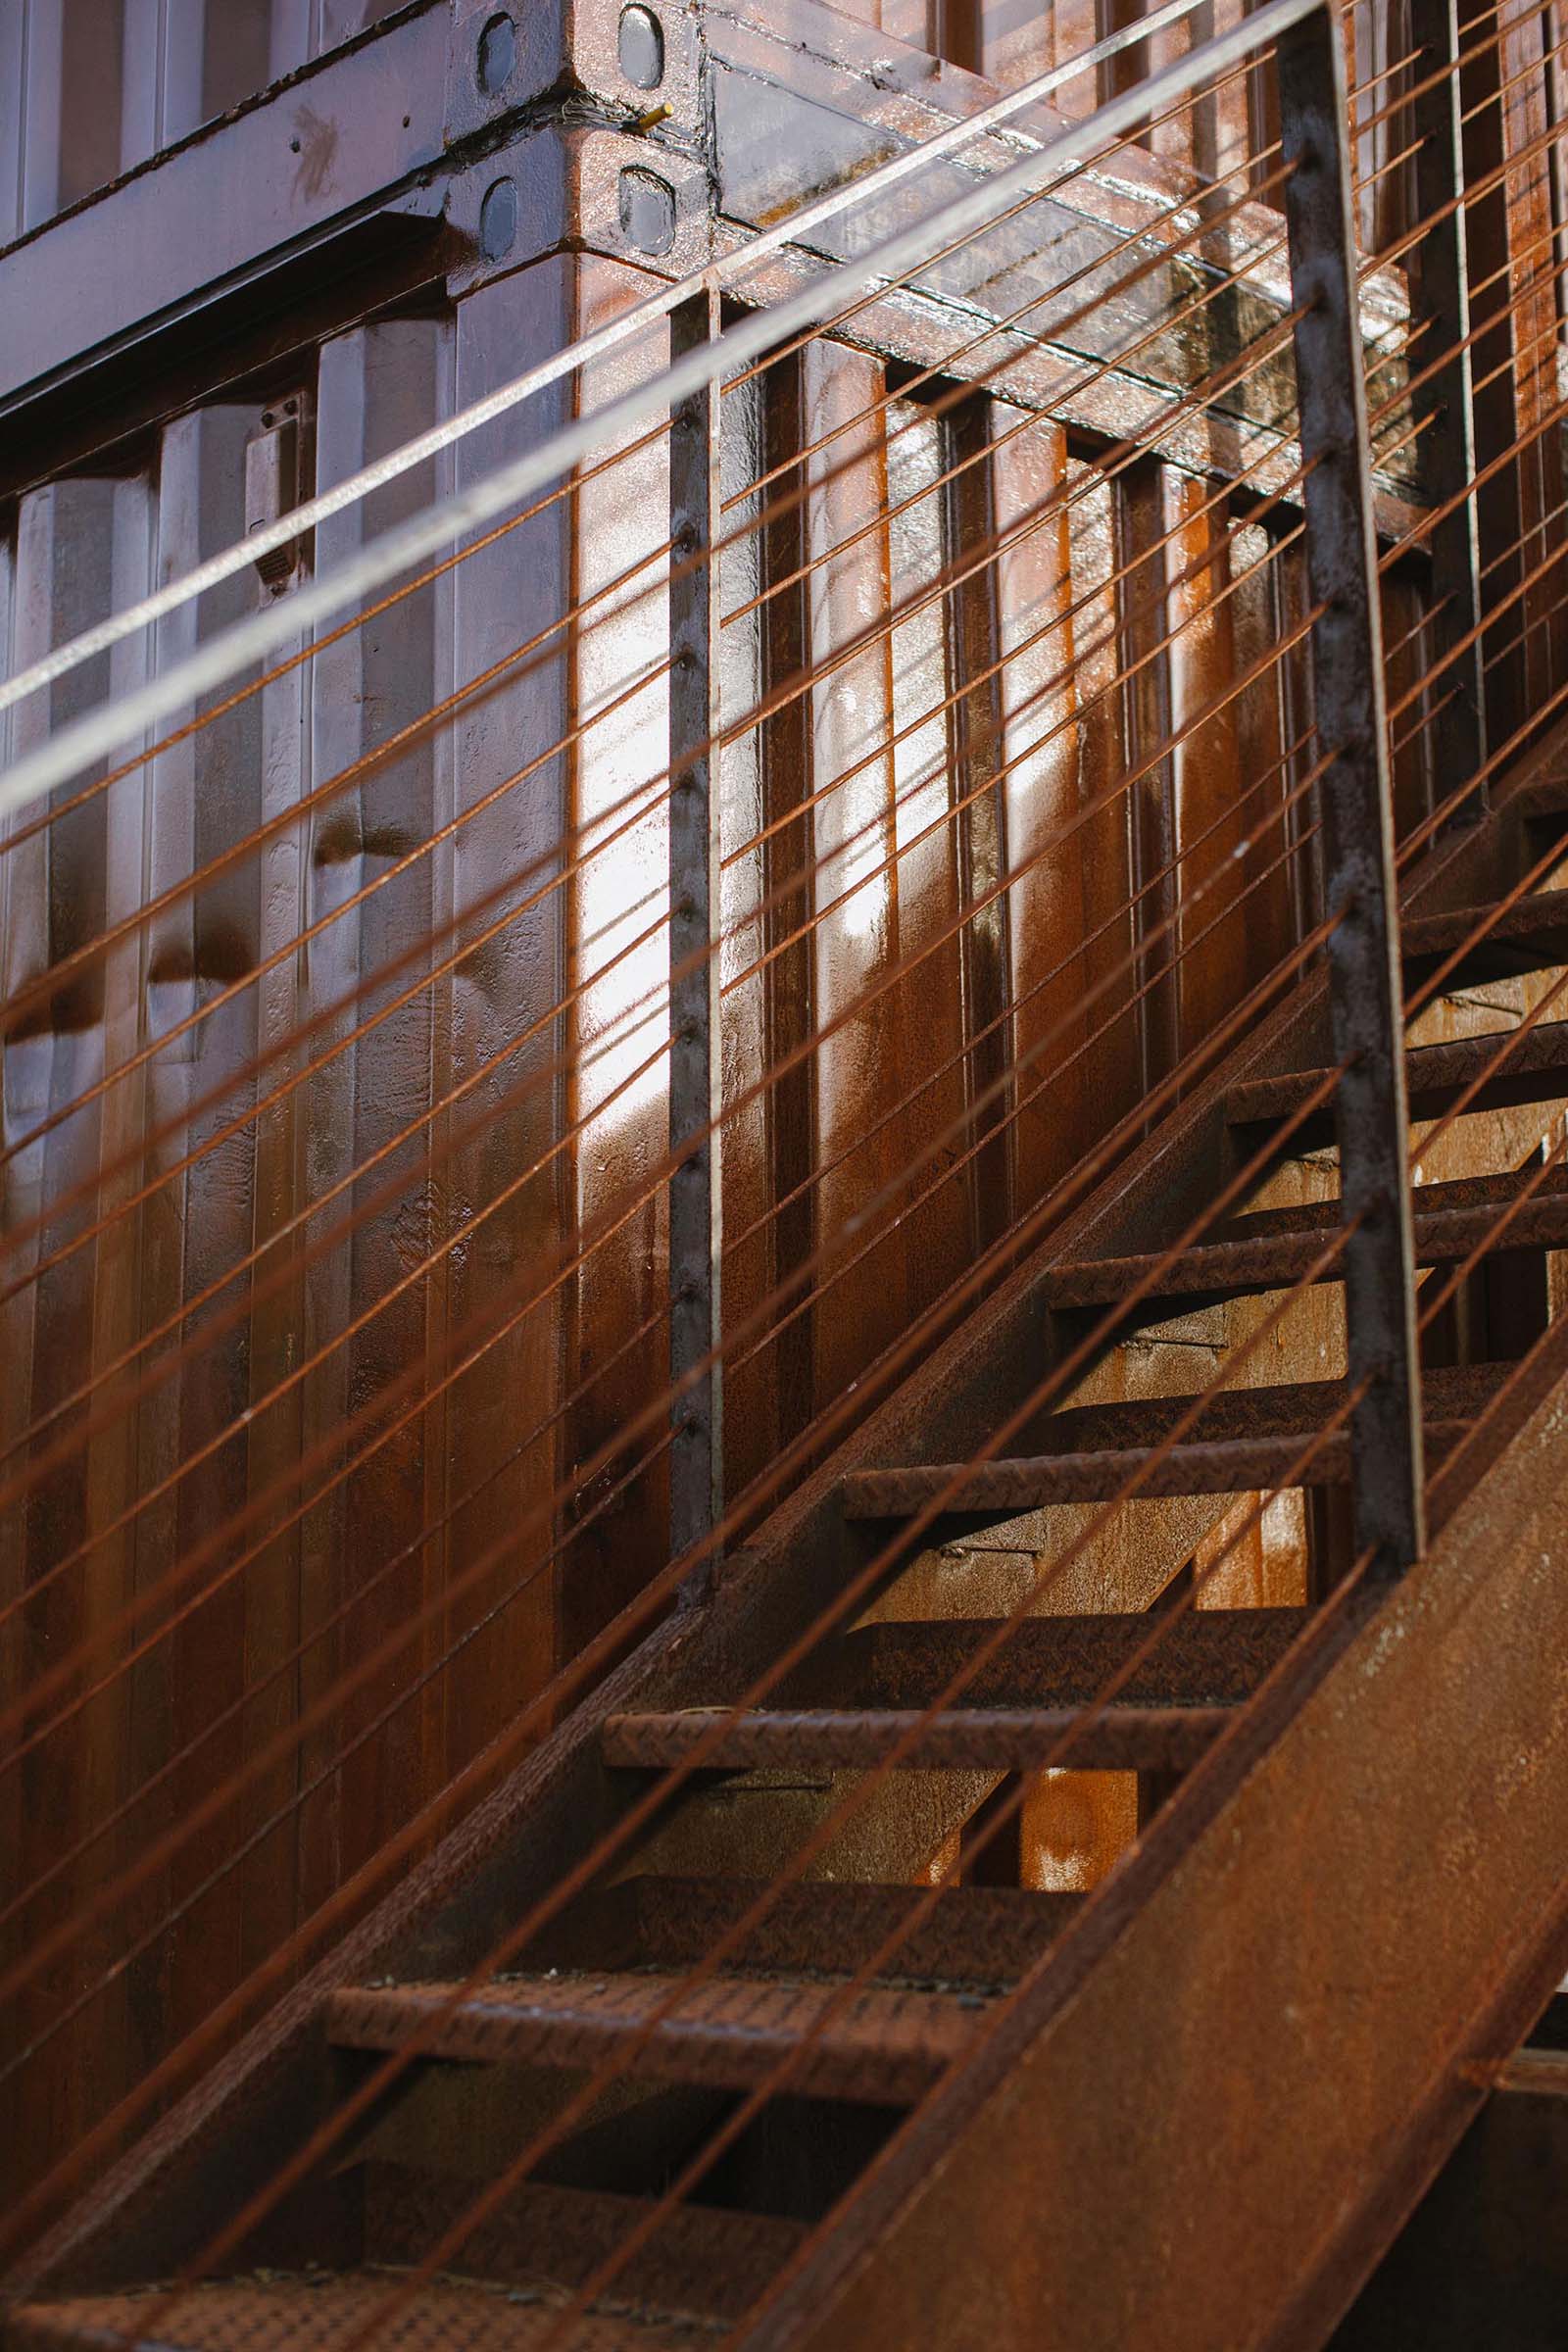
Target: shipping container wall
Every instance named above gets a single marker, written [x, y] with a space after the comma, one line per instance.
[89, 89]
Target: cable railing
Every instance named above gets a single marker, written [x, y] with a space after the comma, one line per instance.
[768, 862]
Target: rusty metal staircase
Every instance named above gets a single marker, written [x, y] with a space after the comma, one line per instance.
[1192, 2112]
[750, 2007]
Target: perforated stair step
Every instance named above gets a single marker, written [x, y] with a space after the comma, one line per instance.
[728, 2032]
[972, 1935]
[1495, 1191]
[1287, 1251]
[1535, 1070]
[327, 2310]
[1197, 1658]
[963, 1498]
[1529, 936]
[702, 2258]
[1292, 1409]
[959, 1739]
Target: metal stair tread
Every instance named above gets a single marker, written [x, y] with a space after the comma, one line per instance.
[972, 1935]
[1203, 1657]
[705, 2260]
[1533, 2073]
[1434, 1075]
[1530, 935]
[960, 1495]
[881, 2045]
[1427, 1200]
[318, 2311]
[1283, 1253]
[1291, 1410]
[963, 1738]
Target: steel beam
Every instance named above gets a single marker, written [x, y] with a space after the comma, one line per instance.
[1366, 997]
[696, 1463]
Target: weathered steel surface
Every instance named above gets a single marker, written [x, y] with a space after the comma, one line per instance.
[93, 92]
[1530, 1069]
[982, 1739]
[1220, 1466]
[1274, 1262]
[1205, 1658]
[1484, 2258]
[985, 1935]
[325, 2311]
[884, 2045]
[352, 136]
[1114, 2162]
[1355, 798]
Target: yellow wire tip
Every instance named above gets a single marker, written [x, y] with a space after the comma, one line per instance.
[654, 113]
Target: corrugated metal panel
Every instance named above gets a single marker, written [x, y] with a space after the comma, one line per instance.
[90, 87]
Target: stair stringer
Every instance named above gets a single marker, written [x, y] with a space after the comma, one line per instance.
[1203, 2124]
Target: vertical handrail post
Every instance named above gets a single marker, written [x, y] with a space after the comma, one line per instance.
[696, 1460]
[1442, 396]
[1366, 997]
